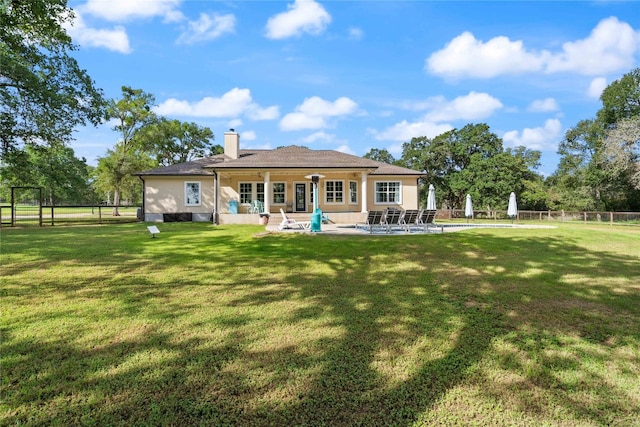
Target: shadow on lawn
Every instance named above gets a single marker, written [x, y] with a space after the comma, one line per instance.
[443, 303]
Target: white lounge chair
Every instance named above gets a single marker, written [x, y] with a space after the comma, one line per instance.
[290, 223]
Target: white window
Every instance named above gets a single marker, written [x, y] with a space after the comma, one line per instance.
[250, 191]
[260, 191]
[246, 192]
[353, 192]
[334, 191]
[388, 192]
[192, 193]
[278, 190]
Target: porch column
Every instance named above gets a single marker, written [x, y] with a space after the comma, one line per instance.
[364, 191]
[267, 193]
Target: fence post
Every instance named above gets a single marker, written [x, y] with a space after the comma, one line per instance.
[585, 217]
[99, 214]
[611, 218]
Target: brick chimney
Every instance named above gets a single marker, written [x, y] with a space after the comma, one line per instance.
[232, 144]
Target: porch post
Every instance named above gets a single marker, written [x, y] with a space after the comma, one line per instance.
[364, 191]
[267, 193]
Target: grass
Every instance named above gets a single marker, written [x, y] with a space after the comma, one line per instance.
[228, 325]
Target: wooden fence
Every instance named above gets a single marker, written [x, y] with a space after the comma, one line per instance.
[549, 216]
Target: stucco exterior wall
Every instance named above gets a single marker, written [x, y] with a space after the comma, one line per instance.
[409, 198]
[168, 195]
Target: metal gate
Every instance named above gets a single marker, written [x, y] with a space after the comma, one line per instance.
[26, 206]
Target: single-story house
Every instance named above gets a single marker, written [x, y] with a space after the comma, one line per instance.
[224, 188]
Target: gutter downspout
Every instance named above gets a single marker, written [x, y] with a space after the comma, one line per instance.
[216, 189]
[144, 189]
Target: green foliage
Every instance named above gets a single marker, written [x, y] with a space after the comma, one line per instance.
[131, 153]
[621, 99]
[64, 177]
[113, 175]
[132, 114]
[380, 155]
[44, 93]
[472, 160]
[175, 142]
[599, 164]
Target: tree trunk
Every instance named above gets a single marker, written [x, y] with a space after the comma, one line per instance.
[116, 202]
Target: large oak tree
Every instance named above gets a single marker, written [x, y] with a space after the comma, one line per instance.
[44, 93]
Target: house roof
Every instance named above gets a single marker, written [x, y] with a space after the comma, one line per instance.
[291, 157]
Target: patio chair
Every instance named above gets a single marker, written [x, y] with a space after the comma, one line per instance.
[392, 218]
[410, 219]
[290, 223]
[256, 207]
[372, 222]
[426, 219]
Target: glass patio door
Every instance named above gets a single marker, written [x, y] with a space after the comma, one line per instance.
[301, 197]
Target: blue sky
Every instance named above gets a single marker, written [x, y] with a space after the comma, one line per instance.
[356, 75]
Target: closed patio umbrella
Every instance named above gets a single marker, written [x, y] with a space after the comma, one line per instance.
[468, 208]
[431, 198]
[512, 210]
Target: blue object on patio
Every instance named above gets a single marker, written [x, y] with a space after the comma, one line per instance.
[233, 206]
[316, 220]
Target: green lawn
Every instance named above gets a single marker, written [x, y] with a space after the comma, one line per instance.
[228, 325]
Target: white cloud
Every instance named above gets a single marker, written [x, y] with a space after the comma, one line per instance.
[474, 106]
[248, 135]
[318, 136]
[234, 103]
[234, 123]
[303, 16]
[297, 121]
[207, 27]
[269, 113]
[124, 10]
[596, 87]
[543, 106]
[541, 138]
[611, 46]
[344, 148]
[314, 112]
[115, 39]
[404, 131]
[465, 56]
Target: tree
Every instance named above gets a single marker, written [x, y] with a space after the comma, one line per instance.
[380, 155]
[580, 178]
[446, 160]
[599, 157]
[174, 142]
[54, 167]
[114, 174]
[622, 150]
[130, 154]
[44, 94]
[621, 99]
